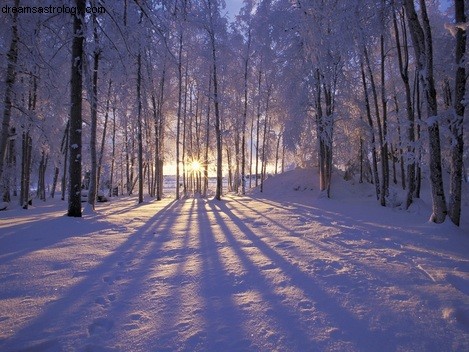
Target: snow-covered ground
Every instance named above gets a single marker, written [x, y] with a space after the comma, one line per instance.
[283, 270]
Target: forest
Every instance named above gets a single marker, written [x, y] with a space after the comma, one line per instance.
[111, 96]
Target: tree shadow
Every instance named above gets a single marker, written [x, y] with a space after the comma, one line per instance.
[336, 318]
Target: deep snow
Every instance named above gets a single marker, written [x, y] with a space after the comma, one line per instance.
[282, 270]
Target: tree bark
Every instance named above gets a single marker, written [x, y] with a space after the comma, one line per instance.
[403, 59]
[75, 138]
[103, 137]
[422, 40]
[457, 125]
[92, 190]
[372, 132]
[12, 58]
[139, 129]
[245, 114]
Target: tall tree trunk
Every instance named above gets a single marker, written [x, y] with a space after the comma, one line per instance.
[27, 146]
[264, 140]
[113, 153]
[159, 133]
[139, 129]
[418, 151]
[422, 40]
[372, 132]
[385, 149]
[92, 190]
[12, 58]
[41, 184]
[457, 125]
[403, 59]
[179, 112]
[54, 181]
[245, 114]
[219, 187]
[207, 138]
[103, 138]
[382, 193]
[64, 148]
[277, 152]
[258, 125]
[74, 197]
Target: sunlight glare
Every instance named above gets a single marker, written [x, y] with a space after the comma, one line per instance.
[195, 166]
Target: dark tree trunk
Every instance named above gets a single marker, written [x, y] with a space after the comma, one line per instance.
[74, 197]
[457, 125]
[12, 58]
[422, 40]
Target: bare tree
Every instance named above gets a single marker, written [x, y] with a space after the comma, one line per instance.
[403, 59]
[93, 186]
[422, 39]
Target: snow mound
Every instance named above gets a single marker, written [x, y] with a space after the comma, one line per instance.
[297, 180]
[306, 181]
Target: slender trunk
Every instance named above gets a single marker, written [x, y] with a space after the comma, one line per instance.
[184, 130]
[219, 188]
[139, 129]
[113, 153]
[42, 177]
[179, 110]
[264, 141]
[372, 132]
[382, 193]
[283, 156]
[277, 152]
[159, 132]
[74, 198]
[54, 181]
[422, 40]
[385, 152]
[245, 114]
[12, 58]
[418, 111]
[207, 138]
[103, 139]
[25, 169]
[92, 191]
[403, 59]
[251, 152]
[161, 151]
[65, 148]
[457, 125]
[258, 125]
[230, 169]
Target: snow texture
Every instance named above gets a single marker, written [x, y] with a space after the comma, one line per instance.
[277, 271]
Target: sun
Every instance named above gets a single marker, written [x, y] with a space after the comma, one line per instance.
[195, 166]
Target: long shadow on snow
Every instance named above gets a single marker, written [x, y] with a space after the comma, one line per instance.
[350, 326]
[225, 328]
[58, 318]
[370, 243]
[145, 281]
[55, 230]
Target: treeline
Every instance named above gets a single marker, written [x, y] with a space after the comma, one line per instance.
[112, 100]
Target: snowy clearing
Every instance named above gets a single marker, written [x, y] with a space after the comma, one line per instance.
[278, 271]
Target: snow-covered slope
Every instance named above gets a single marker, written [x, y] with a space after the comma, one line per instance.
[282, 270]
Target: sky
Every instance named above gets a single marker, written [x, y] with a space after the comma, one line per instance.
[233, 7]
